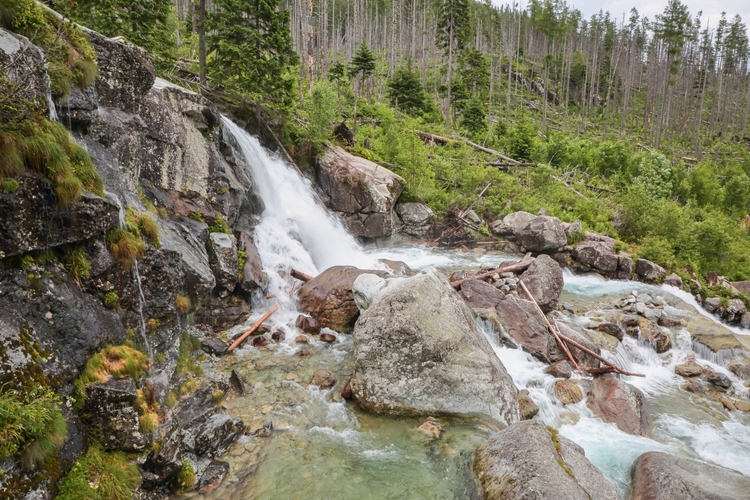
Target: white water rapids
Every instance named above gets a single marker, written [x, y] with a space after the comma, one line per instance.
[381, 458]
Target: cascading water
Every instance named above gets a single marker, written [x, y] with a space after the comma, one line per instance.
[320, 441]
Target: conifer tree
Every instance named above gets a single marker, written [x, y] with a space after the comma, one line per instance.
[250, 50]
[405, 90]
[454, 28]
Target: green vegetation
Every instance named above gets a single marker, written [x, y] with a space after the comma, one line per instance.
[31, 425]
[241, 259]
[182, 304]
[78, 265]
[186, 477]
[114, 361]
[220, 225]
[99, 475]
[197, 216]
[185, 361]
[112, 300]
[9, 186]
[126, 244]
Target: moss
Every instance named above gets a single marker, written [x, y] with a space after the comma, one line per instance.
[186, 477]
[222, 191]
[182, 304]
[188, 386]
[185, 361]
[9, 186]
[575, 237]
[558, 447]
[112, 300]
[220, 225]
[78, 265]
[100, 476]
[197, 216]
[31, 425]
[113, 361]
[241, 259]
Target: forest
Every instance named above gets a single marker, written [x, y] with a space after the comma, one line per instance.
[637, 127]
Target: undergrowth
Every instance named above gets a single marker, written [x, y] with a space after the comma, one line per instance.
[99, 475]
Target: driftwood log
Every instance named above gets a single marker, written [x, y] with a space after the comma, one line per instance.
[504, 268]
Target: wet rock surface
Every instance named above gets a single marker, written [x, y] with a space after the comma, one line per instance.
[542, 234]
[544, 279]
[113, 415]
[416, 218]
[621, 403]
[523, 462]
[418, 351]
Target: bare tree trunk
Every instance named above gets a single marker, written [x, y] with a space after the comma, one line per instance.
[202, 42]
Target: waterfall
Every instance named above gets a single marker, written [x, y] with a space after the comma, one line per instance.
[295, 231]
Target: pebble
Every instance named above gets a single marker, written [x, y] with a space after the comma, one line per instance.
[432, 428]
[327, 337]
[323, 379]
[302, 339]
[291, 376]
[266, 409]
[303, 352]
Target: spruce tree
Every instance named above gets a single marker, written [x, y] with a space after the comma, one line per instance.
[405, 91]
[250, 50]
[454, 28]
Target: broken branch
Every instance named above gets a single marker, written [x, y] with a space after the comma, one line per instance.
[509, 268]
[260, 321]
[300, 275]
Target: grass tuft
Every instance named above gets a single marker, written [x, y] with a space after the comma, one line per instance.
[114, 361]
[100, 476]
[78, 265]
[182, 304]
[186, 477]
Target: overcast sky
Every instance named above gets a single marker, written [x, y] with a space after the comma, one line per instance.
[649, 8]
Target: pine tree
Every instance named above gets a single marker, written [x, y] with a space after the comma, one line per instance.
[363, 63]
[250, 50]
[405, 90]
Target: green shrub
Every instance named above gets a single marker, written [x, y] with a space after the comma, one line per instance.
[9, 186]
[32, 425]
[185, 361]
[99, 475]
[220, 225]
[197, 216]
[186, 477]
[125, 246]
[182, 304]
[112, 300]
[78, 265]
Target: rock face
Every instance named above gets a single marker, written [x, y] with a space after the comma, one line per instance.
[362, 191]
[112, 414]
[511, 224]
[24, 65]
[416, 218]
[222, 254]
[599, 255]
[328, 297]
[251, 274]
[521, 321]
[542, 234]
[619, 402]
[24, 227]
[527, 461]
[660, 476]
[544, 279]
[418, 351]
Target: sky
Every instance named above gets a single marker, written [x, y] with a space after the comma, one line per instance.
[649, 8]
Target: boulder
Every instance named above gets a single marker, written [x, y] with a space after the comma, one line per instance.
[612, 329]
[621, 403]
[734, 310]
[573, 228]
[521, 321]
[222, 254]
[673, 280]
[216, 435]
[526, 405]
[251, 274]
[480, 294]
[624, 268]
[328, 297]
[25, 227]
[599, 255]
[689, 368]
[648, 270]
[656, 336]
[511, 223]
[362, 191]
[661, 476]
[418, 351]
[220, 314]
[112, 413]
[307, 324]
[568, 392]
[416, 218]
[712, 304]
[544, 279]
[560, 369]
[542, 234]
[162, 466]
[213, 476]
[528, 461]
[24, 64]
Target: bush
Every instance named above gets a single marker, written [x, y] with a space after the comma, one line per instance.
[112, 300]
[100, 476]
[32, 425]
[125, 246]
[186, 477]
[220, 225]
[78, 265]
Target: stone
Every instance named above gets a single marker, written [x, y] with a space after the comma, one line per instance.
[694, 386]
[527, 461]
[327, 337]
[668, 322]
[302, 353]
[712, 304]
[521, 321]
[302, 339]
[261, 341]
[362, 191]
[663, 476]
[574, 228]
[745, 320]
[346, 392]
[112, 414]
[542, 234]
[526, 405]
[328, 297]
[212, 477]
[689, 369]
[24, 64]
[238, 383]
[416, 218]
[560, 369]
[742, 405]
[278, 336]
[222, 254]
[419, 351]
[480, 294]
[718, 379]
[598, 255]
[624, 268]
[432, 427]
[567, 392]
[261, 427]
[673, 280]
[544, 279]
[612, 329]
[252, 276]
[164, 465]
[740, 369]
[648, 270]
[734, 311]
[212, 345]
[220, 314]
[511, 223]
[24, 227]
[397, 268]
[323, 379]
[658, 338]
[308, 324]
[727, 403]
[621, 403]
[583, 358]
[216, 435]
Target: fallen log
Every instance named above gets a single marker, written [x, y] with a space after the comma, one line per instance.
[426, 136]
[509, 268]
[260, 321]
[614, 367]
[300, 275]
[509, 164]
[487, 150]
[549, 326]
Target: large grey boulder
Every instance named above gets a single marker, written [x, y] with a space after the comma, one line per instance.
[542, 234]
[24, 64]
[544, 279]
[251, 274]
[419, 351]
[648, 270]
[416, 218]
[599, 255]
[328, 297]
[519, 319]
[362, 191]
[528, 461]
[621, 403]
[111, 410]
[660, 476]
[222, 254]
[511, 223]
